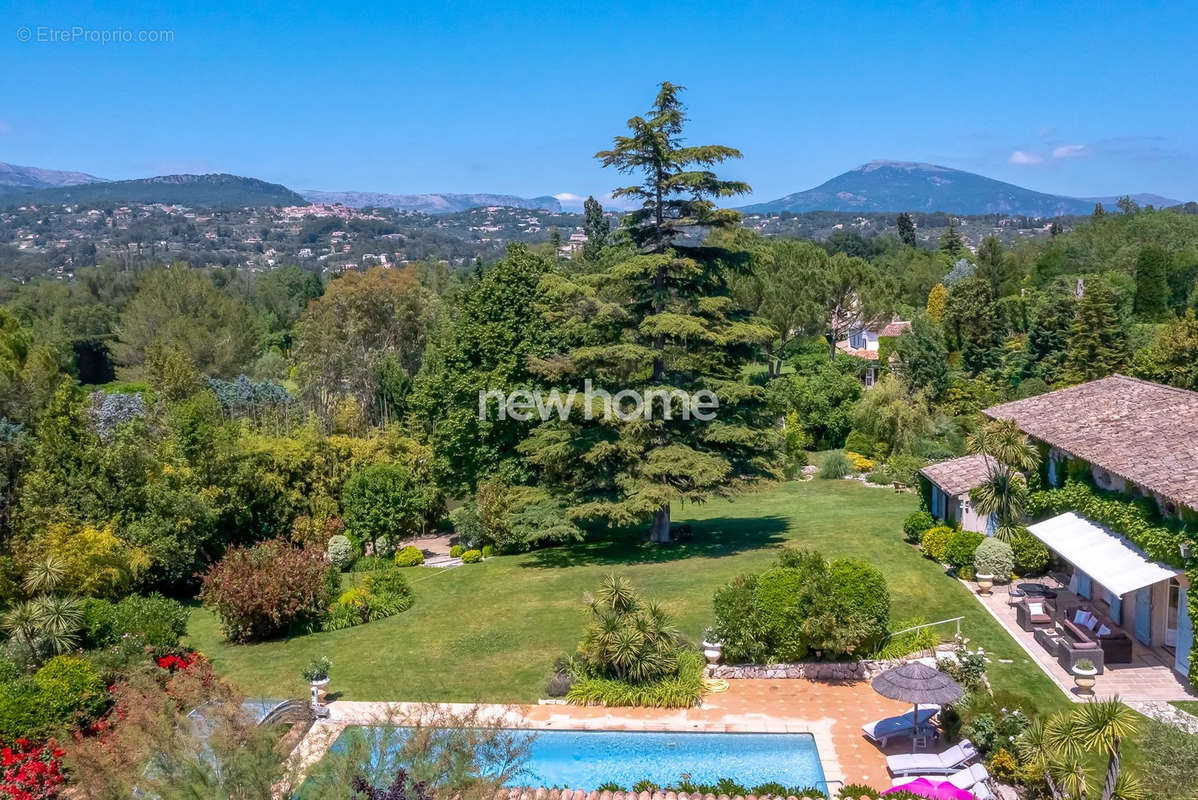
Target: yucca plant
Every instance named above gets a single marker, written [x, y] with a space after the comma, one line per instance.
[627, 638]
[48, 623]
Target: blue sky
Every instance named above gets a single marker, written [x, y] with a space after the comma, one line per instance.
[1074, 98]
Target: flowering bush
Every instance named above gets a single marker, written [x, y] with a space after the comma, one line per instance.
[340, 550]
[935, 542]
[860, 463]
[994, 557]
[30, 772]
[262, 591]
[173, 663]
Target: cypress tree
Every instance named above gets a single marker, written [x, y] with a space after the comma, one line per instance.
[906, 229]
[596, 227]
[1152, 282]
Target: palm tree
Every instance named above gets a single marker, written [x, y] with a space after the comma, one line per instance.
[627, 638]
[1058, 747]
[1102, 725]
[1008, 456]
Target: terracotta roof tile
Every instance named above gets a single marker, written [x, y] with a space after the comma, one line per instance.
[1146, 433]
[958, 475]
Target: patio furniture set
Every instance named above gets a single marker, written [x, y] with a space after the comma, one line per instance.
[1070, 630]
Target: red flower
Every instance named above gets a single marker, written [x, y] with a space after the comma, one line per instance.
[30, 772]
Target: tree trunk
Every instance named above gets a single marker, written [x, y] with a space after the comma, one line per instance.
[1112, 772]
[660, 532]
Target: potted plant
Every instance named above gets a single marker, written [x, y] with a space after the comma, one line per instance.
[713, 646]
[985, 582]
[1083, 676]
[317, 674]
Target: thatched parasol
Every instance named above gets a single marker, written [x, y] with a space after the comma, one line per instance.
[918, 683]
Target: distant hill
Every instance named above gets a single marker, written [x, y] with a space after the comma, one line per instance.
[14, 177]
[907, 186]
[429, 203]
[196, 191]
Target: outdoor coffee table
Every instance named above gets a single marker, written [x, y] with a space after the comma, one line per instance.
[1049, 639]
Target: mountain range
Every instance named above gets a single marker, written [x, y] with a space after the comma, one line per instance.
[909, 186]
[429, 203]
[879, 186]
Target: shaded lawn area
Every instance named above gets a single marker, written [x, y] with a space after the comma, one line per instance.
[492, 631]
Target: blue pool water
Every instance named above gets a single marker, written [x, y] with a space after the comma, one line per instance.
[587, 759]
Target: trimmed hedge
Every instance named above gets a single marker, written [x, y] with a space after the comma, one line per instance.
[961, 545]
[472, 556]
[935, 542]
[918, 523]
[154, 621]
[410, 556]
[994, 557]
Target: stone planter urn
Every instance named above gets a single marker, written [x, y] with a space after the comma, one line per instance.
[1084, 677]
[985, 583]
[321, 687]
[712, 651]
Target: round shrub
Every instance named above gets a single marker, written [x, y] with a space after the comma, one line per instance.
[916, 525]
[835, 465]
[410, 556]
[66, 692]
[859, 600]
[994, 557]
[456, 551]
[340, 551]
[935, 542]
[779, 616]
[736, 620]
[154, 621]
[961, 544]
[472, 556]
[262, 591]
[1031, 555]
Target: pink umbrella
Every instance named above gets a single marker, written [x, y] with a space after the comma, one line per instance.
[933, 790]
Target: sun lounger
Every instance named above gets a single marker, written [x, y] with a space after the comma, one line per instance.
[943, 763]
[972, 779]
[902, 725]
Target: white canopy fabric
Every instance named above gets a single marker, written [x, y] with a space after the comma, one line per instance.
[1105, 556]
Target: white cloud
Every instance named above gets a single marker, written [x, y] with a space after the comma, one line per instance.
[1071, 151]
[568, 197]
[1023, 158]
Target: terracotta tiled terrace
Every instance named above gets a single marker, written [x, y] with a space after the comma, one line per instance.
[832, 712]
[1147, 678]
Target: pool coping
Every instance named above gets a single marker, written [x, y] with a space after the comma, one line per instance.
[346, 713]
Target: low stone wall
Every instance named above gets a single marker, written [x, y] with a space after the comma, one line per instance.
[811, 670]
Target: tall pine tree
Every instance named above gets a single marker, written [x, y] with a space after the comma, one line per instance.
[1097, 345]
[662, 320]
[906, 229]
[1152, 283]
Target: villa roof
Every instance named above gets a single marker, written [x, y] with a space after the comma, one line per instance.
[958, 475]
[1146, 433]
[895, 328]
[530, 793]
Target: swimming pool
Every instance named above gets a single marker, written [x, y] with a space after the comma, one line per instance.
[588, 759]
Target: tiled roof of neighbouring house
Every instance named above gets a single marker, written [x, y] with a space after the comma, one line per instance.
[895, 328]
[958, 475]
[1143, 432]
[859, 352]
[578, 794]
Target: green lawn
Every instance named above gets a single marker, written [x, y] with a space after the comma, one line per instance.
[491, 631]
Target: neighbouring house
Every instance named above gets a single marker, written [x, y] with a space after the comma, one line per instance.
[1124, 435]
[866, 342]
